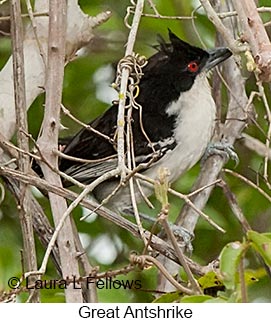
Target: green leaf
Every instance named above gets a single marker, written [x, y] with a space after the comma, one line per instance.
[196, 299]
[169, 297]
[229, 261]
[209, 280]
[261, 243]
[252, 277]
[267, 234]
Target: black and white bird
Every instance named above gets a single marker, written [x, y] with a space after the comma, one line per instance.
[178, 116]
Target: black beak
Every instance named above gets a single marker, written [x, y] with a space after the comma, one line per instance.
[217, 56]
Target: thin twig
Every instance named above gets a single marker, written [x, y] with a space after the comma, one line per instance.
[195, 26]
[129, 142]
[153, 6]
[27, 15]
[86, 126]
[82, 160]
[44, 160]
[13, 152]
[149, 15]
[268, 136]
[41, 224]
[195, 192]
[2, 189]
[146, 260]
[34, 26]
[9, 146]
[248, 182]
[223, 15]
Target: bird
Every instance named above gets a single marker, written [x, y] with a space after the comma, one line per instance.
[172, 131]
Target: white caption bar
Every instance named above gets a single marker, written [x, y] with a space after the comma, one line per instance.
[194, 313]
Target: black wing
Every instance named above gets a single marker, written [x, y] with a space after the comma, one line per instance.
[93, 146]
[100, 150]
[154, 96]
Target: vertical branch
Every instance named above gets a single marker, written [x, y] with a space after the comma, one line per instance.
[224, 31]
[123, 89]
[256, 35]
[29, 251]
[34, 26]
[235, 122]
[48, 141]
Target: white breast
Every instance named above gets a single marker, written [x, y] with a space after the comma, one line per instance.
[196, 111]
[193, 130]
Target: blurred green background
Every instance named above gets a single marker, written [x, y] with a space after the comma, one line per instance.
[87, 94]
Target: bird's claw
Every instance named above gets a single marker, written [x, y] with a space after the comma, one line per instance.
[183, 236]
[222, 148]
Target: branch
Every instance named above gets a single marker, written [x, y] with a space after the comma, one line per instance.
[29, 250]
[230, 131]
[249, 183]
[221, 28]
[156, 243]
[49, 141]
[123, 89]
[256, 35]
[235, 207]
[255, 145]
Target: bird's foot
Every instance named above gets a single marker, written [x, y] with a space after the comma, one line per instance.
[183, 236]
[223, 149]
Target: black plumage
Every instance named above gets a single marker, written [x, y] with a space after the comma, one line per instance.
[165, 76]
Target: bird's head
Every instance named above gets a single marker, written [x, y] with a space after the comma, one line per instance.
[179, 63]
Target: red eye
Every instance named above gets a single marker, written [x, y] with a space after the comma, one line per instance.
[193, 67]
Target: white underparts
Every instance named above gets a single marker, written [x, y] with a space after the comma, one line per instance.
[196, 112]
